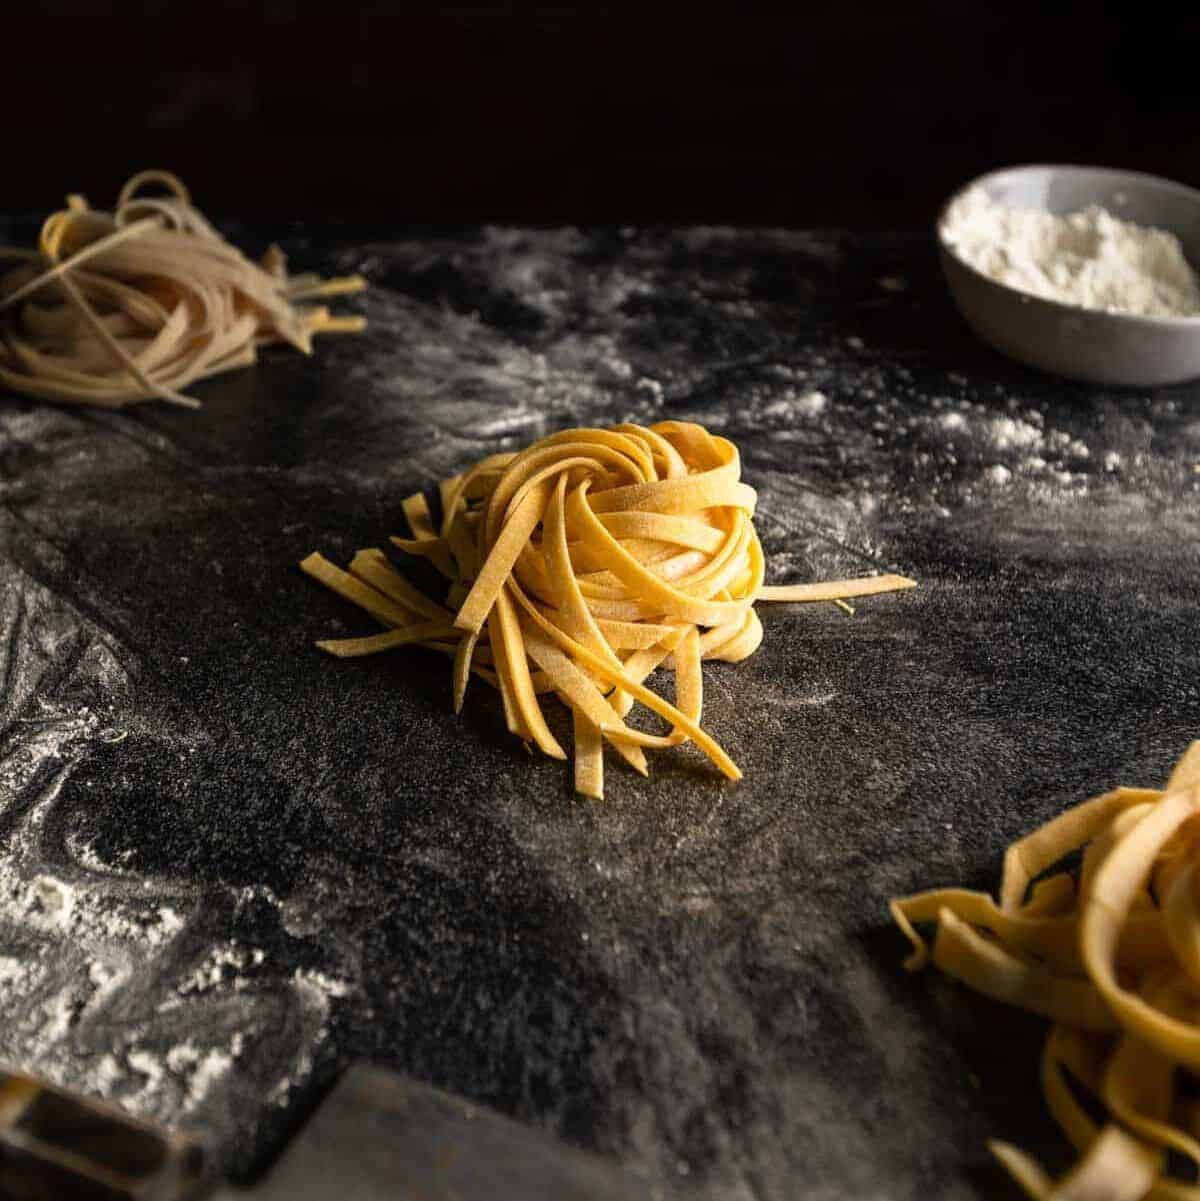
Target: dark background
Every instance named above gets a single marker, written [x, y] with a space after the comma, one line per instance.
[841, 113]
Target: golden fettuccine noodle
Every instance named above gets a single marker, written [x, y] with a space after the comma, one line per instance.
[137, 304]
[577, 567]
[1111, 954]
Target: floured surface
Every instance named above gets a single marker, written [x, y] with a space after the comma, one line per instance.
[230, 864]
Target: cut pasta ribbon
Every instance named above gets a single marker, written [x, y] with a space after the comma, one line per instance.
[1111, 954]
[578, 567]
[116, 308]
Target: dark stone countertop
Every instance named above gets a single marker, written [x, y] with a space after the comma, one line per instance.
[230, 864]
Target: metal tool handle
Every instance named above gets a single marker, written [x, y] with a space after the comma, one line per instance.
[56, 1145]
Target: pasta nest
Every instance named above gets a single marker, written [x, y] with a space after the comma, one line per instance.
[1109, 951]
[577, 567]
[137, 304]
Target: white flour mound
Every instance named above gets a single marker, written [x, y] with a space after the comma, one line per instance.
[1089, 258]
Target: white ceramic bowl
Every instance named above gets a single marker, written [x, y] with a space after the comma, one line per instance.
[1106, 348]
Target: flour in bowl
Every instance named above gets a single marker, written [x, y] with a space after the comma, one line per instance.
[1089, 258]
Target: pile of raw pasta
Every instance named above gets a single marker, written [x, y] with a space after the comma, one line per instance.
[1110, 953]
[577, 567]
[137, 304]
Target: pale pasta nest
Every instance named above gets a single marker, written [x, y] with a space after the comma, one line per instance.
[138, 304]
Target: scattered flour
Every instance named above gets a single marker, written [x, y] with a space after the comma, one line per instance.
[319, 984]
[792, 405]
[107, 1074]
[225, 961]
[967, 447]
[1011, 433]
[201, 1068]
[1089, 258]
[149, 1066]
[107, 978]
[54, 1017]
[87, 915]
[169, 922]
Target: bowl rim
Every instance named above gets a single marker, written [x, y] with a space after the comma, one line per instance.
[1143, 177]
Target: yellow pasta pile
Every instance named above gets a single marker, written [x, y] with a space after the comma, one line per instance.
[577, 567]
[116, 308]
[1110, 954]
